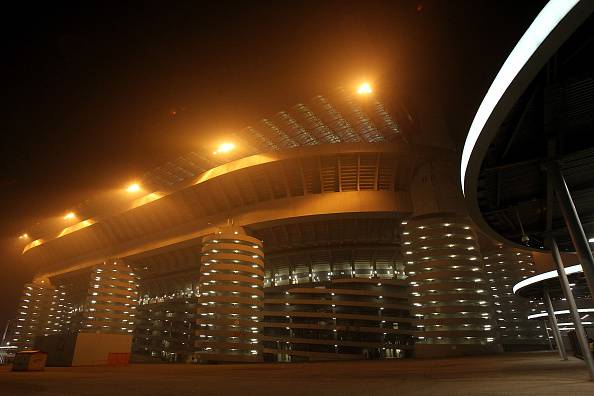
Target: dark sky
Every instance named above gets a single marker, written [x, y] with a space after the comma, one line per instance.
[89, 87]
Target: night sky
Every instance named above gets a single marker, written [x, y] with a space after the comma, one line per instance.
[90, 88]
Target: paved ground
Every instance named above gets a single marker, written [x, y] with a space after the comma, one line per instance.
[510, 374]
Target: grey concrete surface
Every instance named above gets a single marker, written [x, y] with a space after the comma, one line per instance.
[509, 374]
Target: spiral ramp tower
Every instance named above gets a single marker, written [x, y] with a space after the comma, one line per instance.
[231, 297]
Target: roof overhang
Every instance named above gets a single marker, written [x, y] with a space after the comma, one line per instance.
[182, 217]
[549, 30]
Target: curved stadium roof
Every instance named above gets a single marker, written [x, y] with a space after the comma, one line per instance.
[296, 150]
[336, 118]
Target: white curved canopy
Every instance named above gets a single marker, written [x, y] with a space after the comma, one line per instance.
[542, 26]
[544, 276]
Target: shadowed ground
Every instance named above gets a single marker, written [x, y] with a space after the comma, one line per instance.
[509, 374]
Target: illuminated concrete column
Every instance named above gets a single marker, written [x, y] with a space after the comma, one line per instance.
[449, 291]
[505, 267]
[112, 299]
[231, 297]
[35, 314]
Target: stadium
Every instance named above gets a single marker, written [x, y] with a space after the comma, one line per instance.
[334, 230]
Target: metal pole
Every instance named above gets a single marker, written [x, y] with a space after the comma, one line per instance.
[546, 327]
[572, 221]
[3, 341]
[553, 322]
[579, 329]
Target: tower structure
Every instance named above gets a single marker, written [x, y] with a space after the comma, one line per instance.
[36, 313]
[231, 297]
[449, 289]
[504, 268]
[111, 301]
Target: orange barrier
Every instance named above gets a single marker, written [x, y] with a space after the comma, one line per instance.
[117, 359]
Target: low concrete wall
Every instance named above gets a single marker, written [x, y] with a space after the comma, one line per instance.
[93, 349]
[447, 350]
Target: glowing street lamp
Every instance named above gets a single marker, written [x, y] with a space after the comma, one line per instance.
[364, 89]
[132, 188]
[69, 216]
[224, 148]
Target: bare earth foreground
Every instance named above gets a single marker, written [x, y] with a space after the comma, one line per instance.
[509, 374]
